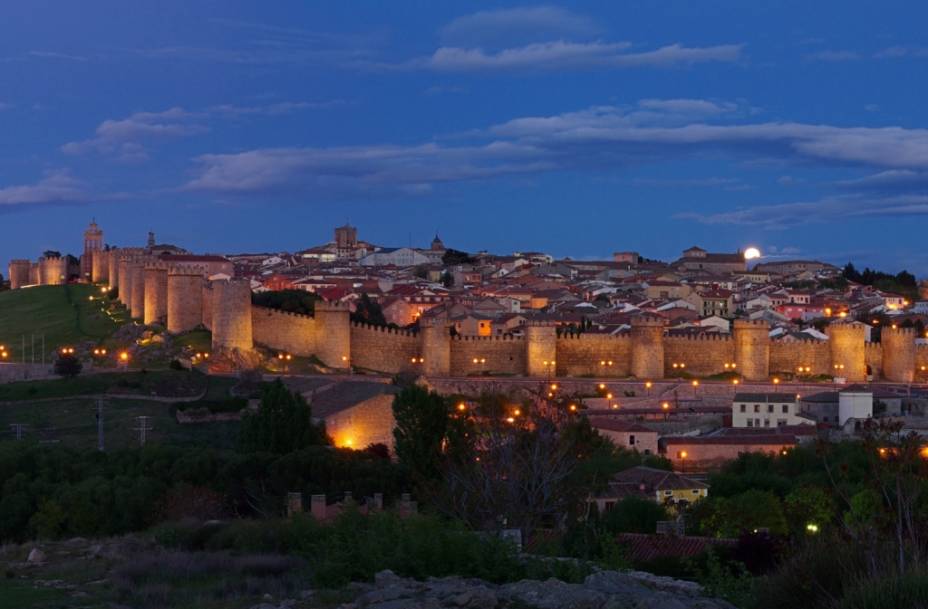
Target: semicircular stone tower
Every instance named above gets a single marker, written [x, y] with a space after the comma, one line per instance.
[125, 290]
[752, 349]
[156, 295]
[112, 268]
[848, 350]
[19, 273]
[99, 265]
[136, 274]
[540, 350]
[333, 329]
[435, 342]
[185, 302]
[232, 329]
[647, 336]
[898, 354]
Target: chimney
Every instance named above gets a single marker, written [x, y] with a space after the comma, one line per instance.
[318, 507]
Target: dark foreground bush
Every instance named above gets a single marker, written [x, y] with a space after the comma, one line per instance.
[354, 547]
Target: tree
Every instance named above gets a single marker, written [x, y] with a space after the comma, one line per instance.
[453, 257]
[421, 425]
[633, 515]
[369, 312]
[68, 366]
[282, 424]
[292, 301]
[809, 505]
[745, 513]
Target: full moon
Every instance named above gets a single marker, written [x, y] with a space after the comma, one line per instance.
[751, 253]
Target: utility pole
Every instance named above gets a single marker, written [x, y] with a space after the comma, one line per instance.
[100, 442]
[143, 429]
[18, 428]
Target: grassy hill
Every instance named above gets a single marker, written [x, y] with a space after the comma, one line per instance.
[64, 314]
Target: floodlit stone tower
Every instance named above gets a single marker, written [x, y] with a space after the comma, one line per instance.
[207, 298]
[125, 288]
[333, 329]
[112, 268]
[53, 270]
[232, 329]
[648, 347]
[898, 354]
[19, 273]
[540, 350]
[100, 266]
[93, 253]
[185, 302]
[752, 349]
[848, 350]
[136, 273]
[435, 345]
[156, 295]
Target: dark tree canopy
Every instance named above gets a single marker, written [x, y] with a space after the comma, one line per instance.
[369, 312]
[292, 301]
[453, 256]
[68, 366]
[282, 423]
[421, 426]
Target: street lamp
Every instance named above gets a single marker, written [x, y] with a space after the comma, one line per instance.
[647, 386]
[683, 456]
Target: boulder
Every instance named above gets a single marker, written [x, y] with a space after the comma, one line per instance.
[36, 556]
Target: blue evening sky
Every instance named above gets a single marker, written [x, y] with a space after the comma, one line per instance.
[578, 129]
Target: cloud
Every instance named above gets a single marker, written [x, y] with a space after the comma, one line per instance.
[825, 210]
[833, 55]
[124, 138]
[727, 184]
[897, 52]
[561, 54]
[276, 109]
[486, 28]
[56, 55]
[600, 139]
[5, 106]
[55, 187]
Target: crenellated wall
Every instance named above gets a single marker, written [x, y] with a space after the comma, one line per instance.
[384, 349]
[334, 331]
[583, 354]
[436, 348]
[493, 355]
[873, 356]
[786, 357]
[99, 266]
[702, 355]
[112, 268]
[283, 331]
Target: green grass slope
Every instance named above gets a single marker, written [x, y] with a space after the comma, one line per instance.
[64, 314]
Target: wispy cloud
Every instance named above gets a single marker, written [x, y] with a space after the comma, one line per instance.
[55, 187]
[125, 139]
[57, 55]
[602, 138]
[487, 28]
[833, 55]
[828, 209]
[561, 55]
[275, 109]
[897, 52]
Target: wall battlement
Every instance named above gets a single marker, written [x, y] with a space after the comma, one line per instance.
[383, 329]
[504, 338]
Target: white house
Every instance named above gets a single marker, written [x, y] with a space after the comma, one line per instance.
[766, 410]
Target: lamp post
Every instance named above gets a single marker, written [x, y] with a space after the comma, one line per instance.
[683, 456]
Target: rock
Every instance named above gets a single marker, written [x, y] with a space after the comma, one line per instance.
[552, 594]
[386, 578]
[36, 556]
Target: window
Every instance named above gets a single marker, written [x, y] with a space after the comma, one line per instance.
[750, 423]
[781, 422]
[631, 439]
[785, 408]
[766, 422]
[668, 493]
[756, 422]
[610, 505]
[743, 407]
[769, 407]
[756, 407]
[695, 491]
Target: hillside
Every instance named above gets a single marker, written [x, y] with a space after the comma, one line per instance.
[63, 314]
